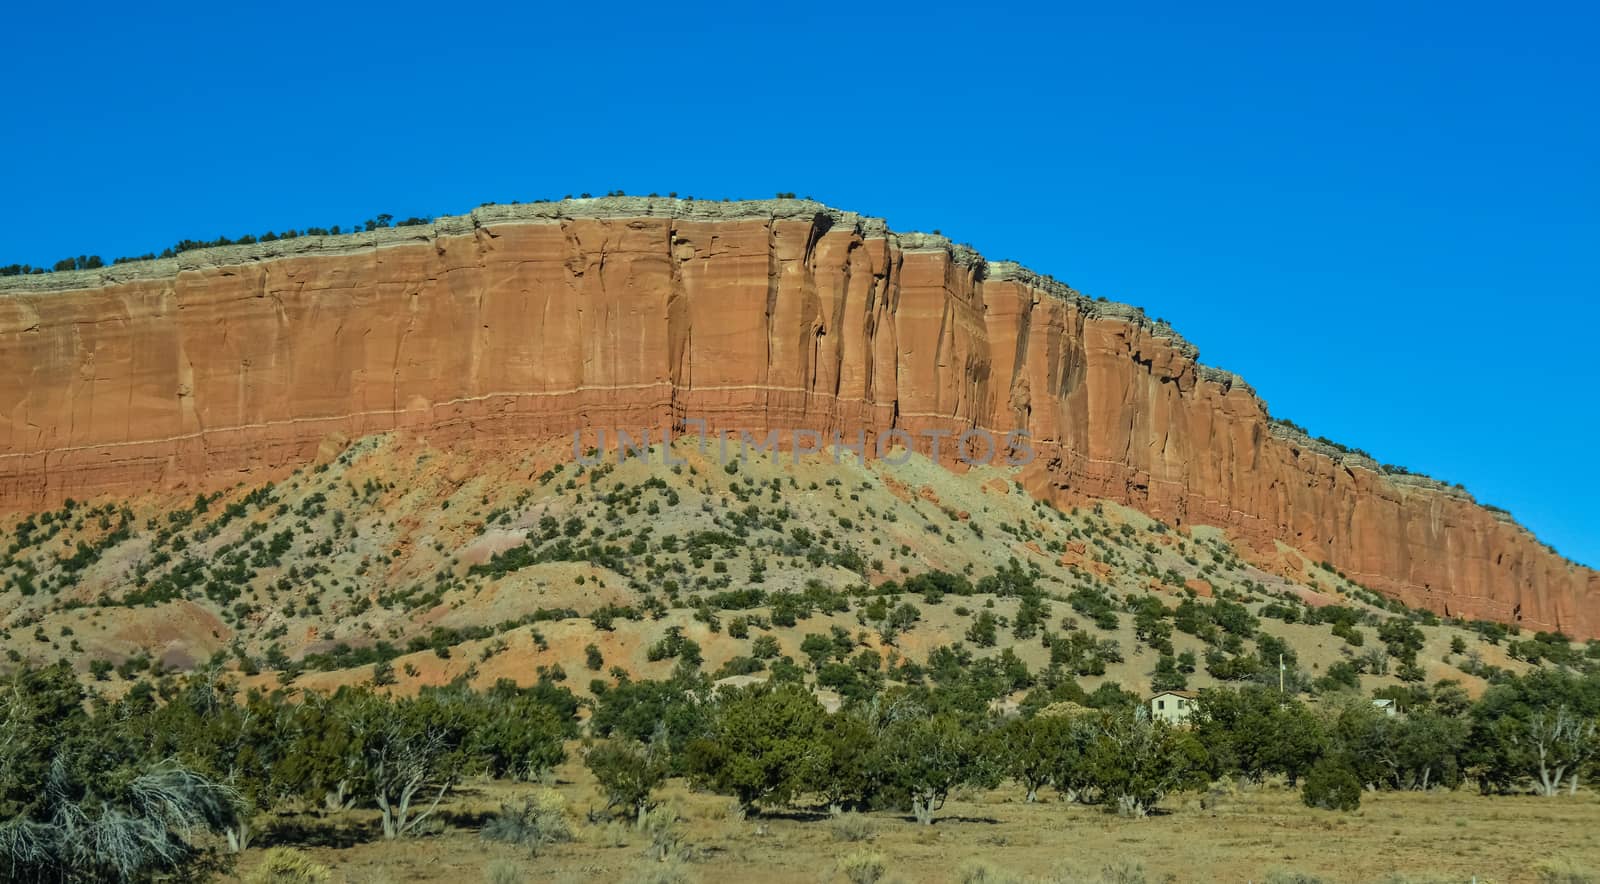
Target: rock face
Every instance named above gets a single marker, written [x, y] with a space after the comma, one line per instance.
[520, 323]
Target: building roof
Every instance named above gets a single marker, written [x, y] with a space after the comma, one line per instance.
[1187, 695]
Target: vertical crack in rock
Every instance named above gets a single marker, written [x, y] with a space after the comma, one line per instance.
[679, 328]
[774, 269]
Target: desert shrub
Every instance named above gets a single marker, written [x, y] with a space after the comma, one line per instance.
[613, 833]
[661, 873]
[1123, 872]
[1220, 791]
[978, 871]
[862, 867]
[285, 865]
[136, 833]
[1350, 634]
[1331, 785]
[504, 871]
[1562, 871]
[660, 824]
[738, 665]
[852, 827]
[1281, 876]
[538, 823]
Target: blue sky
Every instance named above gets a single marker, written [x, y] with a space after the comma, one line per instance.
[1385, 216]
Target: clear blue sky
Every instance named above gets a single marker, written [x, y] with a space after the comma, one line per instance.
[1386, 216]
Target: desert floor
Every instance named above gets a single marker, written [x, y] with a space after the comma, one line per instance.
[1248, 835]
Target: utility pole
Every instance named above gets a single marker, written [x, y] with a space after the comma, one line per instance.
[1280, 675]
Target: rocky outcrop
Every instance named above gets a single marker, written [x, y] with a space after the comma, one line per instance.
[519, 323]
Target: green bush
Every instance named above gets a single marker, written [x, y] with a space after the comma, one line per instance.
[1331, 785]
[761, 747]
[629, 773]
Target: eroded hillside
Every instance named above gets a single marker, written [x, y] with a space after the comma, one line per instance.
[395, 562]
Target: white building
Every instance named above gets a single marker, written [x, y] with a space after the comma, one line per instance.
[1173, 707]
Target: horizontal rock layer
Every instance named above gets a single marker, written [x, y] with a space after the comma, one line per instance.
[528, 322]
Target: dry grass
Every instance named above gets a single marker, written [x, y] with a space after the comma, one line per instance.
[1259, 834]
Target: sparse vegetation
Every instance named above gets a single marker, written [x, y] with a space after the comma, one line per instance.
[537, 823]
[1007, 685]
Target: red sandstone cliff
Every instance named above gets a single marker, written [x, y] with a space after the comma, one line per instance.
[531, 321]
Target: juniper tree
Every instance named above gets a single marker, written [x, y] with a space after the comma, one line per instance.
[629, 774]
[1135, 762]
[845, 777]
[1030, 750]
[924, 758]
[407, 754]
[764, 746]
